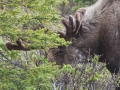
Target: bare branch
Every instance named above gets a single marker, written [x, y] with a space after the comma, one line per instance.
[12, 62]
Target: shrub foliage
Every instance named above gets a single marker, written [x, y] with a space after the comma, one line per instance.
[30, 70]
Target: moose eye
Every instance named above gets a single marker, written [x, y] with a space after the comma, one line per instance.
[61, 53]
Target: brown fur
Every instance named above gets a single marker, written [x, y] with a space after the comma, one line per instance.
[100, 31]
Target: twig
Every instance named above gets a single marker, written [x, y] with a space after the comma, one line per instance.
[11, 62]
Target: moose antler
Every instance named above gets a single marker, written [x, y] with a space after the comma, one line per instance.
[72, 25]
[19, 45]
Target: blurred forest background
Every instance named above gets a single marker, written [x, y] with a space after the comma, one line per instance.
[30, 70]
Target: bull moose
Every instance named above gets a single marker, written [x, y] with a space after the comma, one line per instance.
[96, 27]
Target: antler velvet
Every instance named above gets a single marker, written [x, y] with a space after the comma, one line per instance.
[72, 25]
[18, 46]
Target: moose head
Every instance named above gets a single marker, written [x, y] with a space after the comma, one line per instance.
[68, 55]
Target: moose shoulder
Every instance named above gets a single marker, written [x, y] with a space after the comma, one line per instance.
[96, 27]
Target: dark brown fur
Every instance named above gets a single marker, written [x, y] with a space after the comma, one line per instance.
[99, 31]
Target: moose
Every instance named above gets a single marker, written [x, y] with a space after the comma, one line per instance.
[96, 27]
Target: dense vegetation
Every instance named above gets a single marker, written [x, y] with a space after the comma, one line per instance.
[30, 70]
